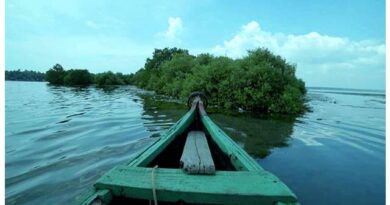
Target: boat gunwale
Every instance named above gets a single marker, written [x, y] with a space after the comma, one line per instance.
[238, 157]
[152, 151]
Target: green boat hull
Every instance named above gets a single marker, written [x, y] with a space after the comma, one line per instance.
[238, 179]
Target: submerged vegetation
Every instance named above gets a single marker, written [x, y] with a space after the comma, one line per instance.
[259, 82]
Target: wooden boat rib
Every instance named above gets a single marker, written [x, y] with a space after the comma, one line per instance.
[156, 175]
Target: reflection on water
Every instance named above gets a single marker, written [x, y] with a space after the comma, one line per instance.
[59, 140]
[159, 114]
[256, 135]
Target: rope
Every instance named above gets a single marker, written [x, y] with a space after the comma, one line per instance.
[154, 186]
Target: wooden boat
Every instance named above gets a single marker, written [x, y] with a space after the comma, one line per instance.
[195, 162]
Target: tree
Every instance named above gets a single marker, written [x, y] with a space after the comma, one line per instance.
[55, 75]
[78, 77]
[160, 56]
[109, 78]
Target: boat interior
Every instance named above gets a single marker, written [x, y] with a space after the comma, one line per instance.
[170, 157]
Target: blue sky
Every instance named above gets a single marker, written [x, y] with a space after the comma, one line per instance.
[333, 43]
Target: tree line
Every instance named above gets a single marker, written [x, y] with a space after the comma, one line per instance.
[57, 75]
[26, 75]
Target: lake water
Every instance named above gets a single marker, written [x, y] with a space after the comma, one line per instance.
[59, 140]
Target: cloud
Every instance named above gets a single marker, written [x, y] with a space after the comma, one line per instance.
[322, 60]
[175, 27]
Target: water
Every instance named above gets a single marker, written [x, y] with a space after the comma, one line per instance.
[60, 140]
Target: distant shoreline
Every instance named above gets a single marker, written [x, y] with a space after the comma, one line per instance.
[25, 75]
[345, 89]
[26, 80]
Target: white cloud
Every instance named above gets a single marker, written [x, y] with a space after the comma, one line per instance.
[322, 60]
[175, 27]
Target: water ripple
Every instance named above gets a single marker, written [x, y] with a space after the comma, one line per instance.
[352, 122]
[59, 140]
[71, 137]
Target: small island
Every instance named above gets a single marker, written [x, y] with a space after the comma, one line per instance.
[259, 82]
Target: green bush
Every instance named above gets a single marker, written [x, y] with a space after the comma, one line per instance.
[109, 78]
[81, 77]
[55, 75]
[260, 82]
[76, 77]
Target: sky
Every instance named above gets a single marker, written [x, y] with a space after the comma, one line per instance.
[333, 43]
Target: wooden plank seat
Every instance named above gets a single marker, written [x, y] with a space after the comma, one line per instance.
[224, 187]
[196, 157]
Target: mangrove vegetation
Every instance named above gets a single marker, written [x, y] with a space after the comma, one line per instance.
[258, 82]
[57, 75]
